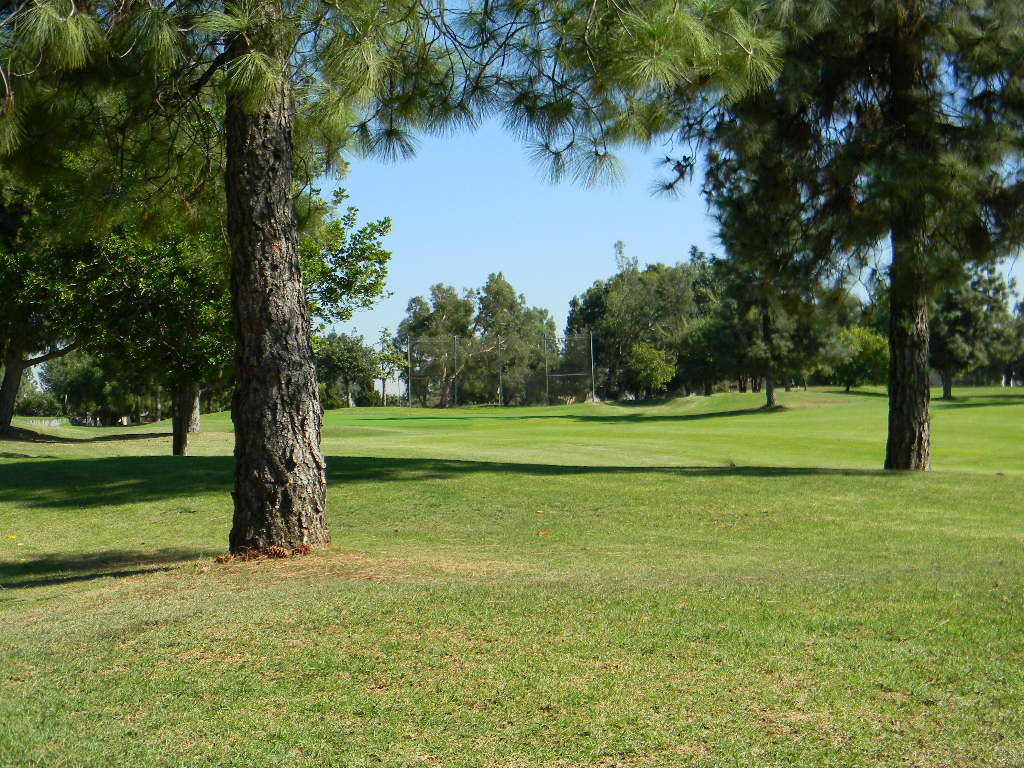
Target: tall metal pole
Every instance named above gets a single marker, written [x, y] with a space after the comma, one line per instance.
[501, 383]
[593, 379]
[408, 379]
[455, 370]
[383, 379]
[547, 376]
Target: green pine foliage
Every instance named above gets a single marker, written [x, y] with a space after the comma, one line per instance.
[971, 326]
[571, 77]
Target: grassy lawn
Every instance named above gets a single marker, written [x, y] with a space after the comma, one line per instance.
[715, 586]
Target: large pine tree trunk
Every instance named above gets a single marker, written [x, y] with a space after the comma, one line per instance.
[280, 484]
[909, 442]
[14, 367]
[186, 413]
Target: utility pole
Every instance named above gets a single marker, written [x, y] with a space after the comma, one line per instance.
[455, 370]
[547, 376]
[501, 383]
[408, 378]
[593, 379]
[383, 377]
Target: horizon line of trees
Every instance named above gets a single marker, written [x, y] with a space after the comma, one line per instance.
[693, 327]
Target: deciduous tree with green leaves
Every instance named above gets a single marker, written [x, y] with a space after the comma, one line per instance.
[345, 364]
[653, 368]
[861, 357]
[157, 310]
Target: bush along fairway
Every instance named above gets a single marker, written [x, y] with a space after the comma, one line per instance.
[696, 582]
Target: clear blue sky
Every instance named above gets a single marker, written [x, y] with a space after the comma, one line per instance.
[474, 203]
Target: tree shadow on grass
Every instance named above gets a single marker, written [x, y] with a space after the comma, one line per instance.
[977, 401]
[341, 469]
[604, 417]
[655, 418]
[20, 435]
[112, 480]
[64, 568]
[856, 393]
[81, 484]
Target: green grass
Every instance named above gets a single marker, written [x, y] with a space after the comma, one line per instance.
[719, 586]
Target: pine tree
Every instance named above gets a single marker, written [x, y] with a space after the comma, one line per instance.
[893, 121]
[760, 184]
[920, 101]
[970, 325]
[574, 76]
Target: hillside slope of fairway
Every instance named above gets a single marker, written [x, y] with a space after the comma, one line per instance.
[693, 583]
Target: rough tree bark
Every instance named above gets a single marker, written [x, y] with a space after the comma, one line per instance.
[909, 441]
[280, 484]
[14, 367]
[185, 399]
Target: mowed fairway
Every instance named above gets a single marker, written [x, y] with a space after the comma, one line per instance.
[697, 583]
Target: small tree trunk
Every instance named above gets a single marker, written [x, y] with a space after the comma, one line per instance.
[789, 383]
[280, 482]
[947, 384]
[707, 389]
[14, 367]
[769, 377]
[159, 404]
[195, 423]
[769, 388]
[185, 402]
[743, 383]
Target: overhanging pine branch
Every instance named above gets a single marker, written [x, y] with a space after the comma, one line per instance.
[51, 355]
